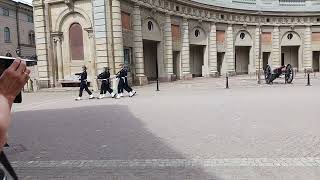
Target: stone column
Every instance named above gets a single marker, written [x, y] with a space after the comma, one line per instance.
[230, 51]
[276, 47]
[138, 46]
[41, 41]
[213, 72]
[257, 50]
[117, 35]
[185, 51]
[307, 51]
[58, 57]
[93, 60]
[168, 60]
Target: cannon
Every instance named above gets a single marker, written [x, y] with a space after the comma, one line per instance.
[286, 71]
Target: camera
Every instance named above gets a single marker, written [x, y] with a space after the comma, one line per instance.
[5, 62]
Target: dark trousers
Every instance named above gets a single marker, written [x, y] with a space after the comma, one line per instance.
[84, 86]
[123, 84]
[105, 86]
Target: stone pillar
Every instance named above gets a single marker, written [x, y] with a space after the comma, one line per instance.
[230, 51]
[102, 34]
[276, 48]
[117, 35]
[41, 41]
[213, 72]
[168, 60]
[58, 57]
[257, 50]
[51, 67]
[93, 60]
[185, 51]
[138, 47]
[307, 51]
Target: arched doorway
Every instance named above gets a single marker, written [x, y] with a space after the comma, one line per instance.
[243, 52]
[152, 43]
[198, 51]
[291, 50]
[75, 46]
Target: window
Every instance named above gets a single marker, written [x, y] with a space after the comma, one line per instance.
[31, 38]
[8, 54]
[30, 18]
[125, 18]
[290, 36]
[7, 37]
[220, 36]
[5, 11]
[197, 33]
[177, 8]
[127, 57]
[175, 29]
[242, 35]
[76, 42]
[150, 26]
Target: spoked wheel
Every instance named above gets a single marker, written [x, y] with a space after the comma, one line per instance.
[289, 74]
[267, 74]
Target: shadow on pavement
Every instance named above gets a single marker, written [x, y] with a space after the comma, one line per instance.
[108, 132]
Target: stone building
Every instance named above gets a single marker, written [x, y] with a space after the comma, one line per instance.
[16, 29]
[174, 39]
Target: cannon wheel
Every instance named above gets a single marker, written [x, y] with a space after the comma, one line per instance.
[267, 74]
[289, 74]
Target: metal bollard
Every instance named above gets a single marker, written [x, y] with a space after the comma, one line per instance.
[227, 82]
[308, 84]
[158, 85]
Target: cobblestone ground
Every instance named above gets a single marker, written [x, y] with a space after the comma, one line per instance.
[189, 130]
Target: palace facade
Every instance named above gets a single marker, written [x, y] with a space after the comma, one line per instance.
[174, 39]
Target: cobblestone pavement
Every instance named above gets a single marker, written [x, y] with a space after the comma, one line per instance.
[189, 130]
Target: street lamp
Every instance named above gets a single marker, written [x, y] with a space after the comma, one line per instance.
[260, 52]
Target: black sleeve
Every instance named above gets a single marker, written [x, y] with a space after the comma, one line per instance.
[108, 75]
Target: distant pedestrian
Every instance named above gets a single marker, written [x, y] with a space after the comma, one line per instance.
[83, 83]
[105, 83]
[123, 82]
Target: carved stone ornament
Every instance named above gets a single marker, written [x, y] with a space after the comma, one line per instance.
[69, 3]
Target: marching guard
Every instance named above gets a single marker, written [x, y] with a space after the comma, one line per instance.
[83, 83]
[105, 83]
[123, 82]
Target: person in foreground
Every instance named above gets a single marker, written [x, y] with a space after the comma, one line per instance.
[12, 81]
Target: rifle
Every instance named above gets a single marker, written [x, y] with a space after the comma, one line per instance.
[6, 164]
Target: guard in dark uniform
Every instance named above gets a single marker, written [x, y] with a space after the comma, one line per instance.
[84, 83]
[105, 83]
[123, 82]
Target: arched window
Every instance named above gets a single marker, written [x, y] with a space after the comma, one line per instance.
[31, 38]
[76, 42]
[7, 34]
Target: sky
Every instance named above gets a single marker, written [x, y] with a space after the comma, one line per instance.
[25, 1]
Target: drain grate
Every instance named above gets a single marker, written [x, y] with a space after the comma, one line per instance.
[15, 148]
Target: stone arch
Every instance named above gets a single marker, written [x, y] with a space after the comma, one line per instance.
[73, 66]
[295, 41]
[291, 50]
[66, 13]
[244, 52]
[198, 36]
[239, 40]
[151, 29]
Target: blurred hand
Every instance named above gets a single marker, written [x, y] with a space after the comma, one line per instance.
[13, 80]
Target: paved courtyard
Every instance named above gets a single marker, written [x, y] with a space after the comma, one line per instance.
[188, 130]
